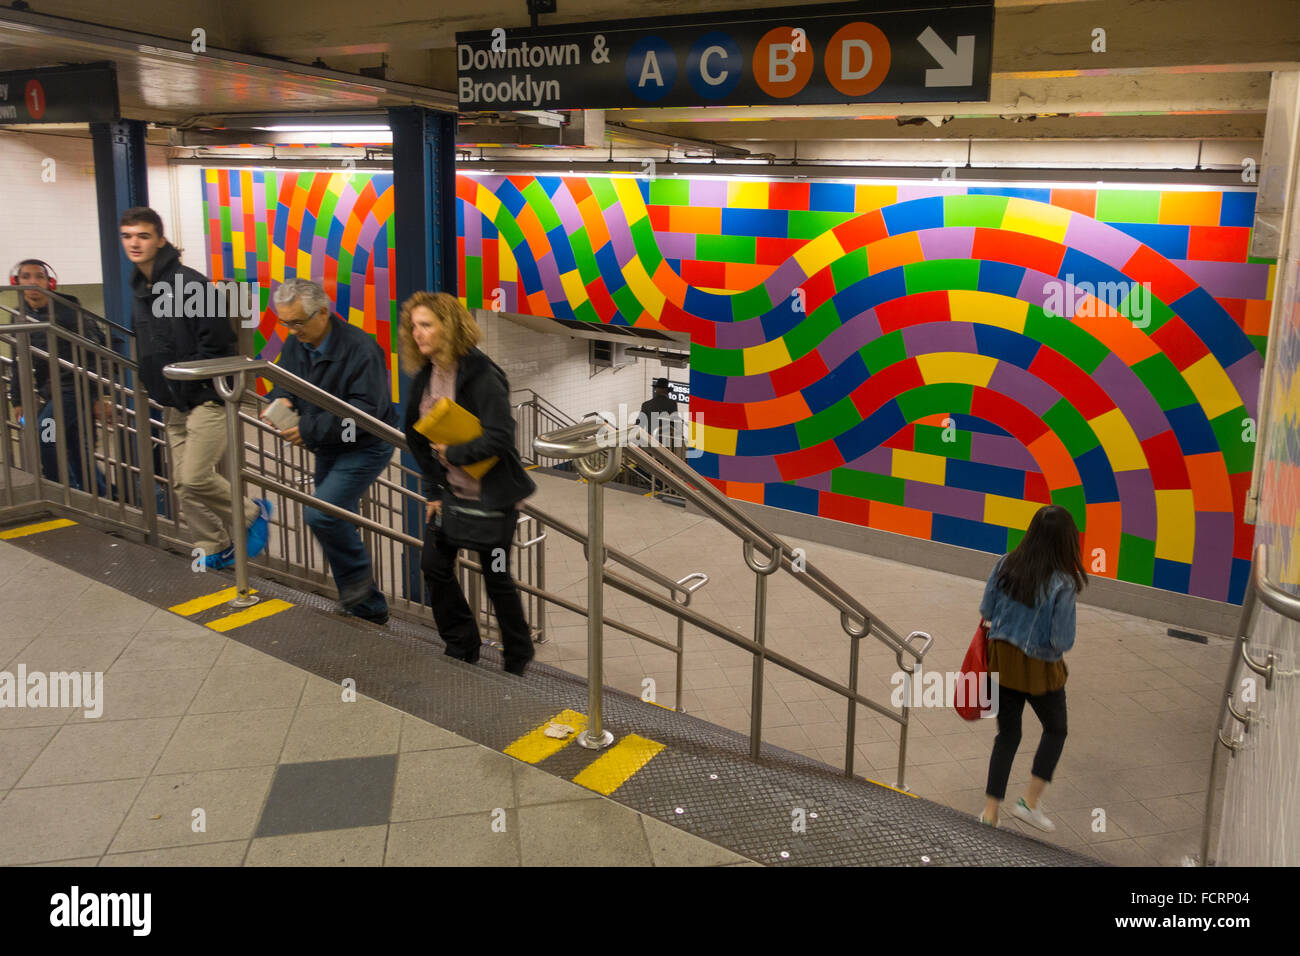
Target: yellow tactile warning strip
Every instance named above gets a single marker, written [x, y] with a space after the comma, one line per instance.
[248, 615]
[25, 530]
[535, 746]
[206, 602]
[616, 766]
[888, 787]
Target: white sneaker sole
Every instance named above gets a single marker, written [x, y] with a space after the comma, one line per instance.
[1042, 823]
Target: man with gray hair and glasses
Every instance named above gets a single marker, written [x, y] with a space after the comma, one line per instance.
[347, 362]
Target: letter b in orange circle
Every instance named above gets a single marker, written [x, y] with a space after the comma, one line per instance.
[782, 66]
[857, 59]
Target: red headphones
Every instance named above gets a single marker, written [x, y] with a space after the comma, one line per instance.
[49, 271]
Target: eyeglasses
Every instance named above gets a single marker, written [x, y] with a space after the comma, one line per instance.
[298, 324]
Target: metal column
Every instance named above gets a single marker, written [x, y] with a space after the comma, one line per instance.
[120, 182]
[424, 225]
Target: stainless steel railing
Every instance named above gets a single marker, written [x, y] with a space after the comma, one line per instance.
[1259, 591]
[597, 449]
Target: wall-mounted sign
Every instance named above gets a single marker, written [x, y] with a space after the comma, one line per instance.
[922, 53]
[86, 93]
[680, 392]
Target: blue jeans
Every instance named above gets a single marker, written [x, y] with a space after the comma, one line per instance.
[72, 443]
[342, 480]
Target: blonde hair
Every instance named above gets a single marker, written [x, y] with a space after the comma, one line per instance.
[460, 332]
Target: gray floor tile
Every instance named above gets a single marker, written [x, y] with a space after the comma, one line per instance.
[583, 833]
[250, 687]
[75, 650]
[467, 840]
[330, 732]
[226, 740]
[61, 823]
[439, 783]
[207, 854]
[533, 786]
[361, 846]
[179, 646]
[163, 814]
[18, 748]
[419, 734]
[117, 750]
[329, 795]
[130, 695]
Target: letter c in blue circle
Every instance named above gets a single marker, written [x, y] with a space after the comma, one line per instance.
[651, 68]
[714, 65]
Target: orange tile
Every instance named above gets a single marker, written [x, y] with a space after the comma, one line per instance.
[741, 276]
[670, 284]
[1077, 200]
[706, 220]
[900, 520]
[895, 251]
[1121, 336]
[744, 491]
[1104, 522]
[783, 410]
[1258, 313]
[1059, 470]
[1211, 490]
[594, 220]
[1179, 208]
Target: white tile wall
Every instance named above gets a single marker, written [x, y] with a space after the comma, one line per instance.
[58, 221]
[557, 368]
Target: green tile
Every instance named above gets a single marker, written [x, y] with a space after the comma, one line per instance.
[1128, 205]
[1072, 500]
[828, 424]
[628, 304]
[930, 439]
[1137, 559]
[586, 312]
[747, 305]
[1071, 427]
[1065, 337]
[583, 255]
[882, 352]
[726, 248]
[805, 224]
[1165, 383]
[540, 203]
[713, 361]
[647, 249]
[986, 211]
[670, 192]
[812, 331]
[942, 274]
[866, 484]
[603, 190]
[1237, 453]
[849, 268]
[1014, 537]
[932, 399]
[474, 282]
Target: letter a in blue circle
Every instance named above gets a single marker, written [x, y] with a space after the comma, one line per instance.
[714, 65]
[651, 68]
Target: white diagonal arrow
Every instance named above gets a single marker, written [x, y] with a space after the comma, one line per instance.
[955, 68]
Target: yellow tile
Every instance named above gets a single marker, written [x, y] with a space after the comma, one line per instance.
[205, 602]
[535, 746]
[1213, 389]
[867, 198]
[970, 305]
[1175, 524]
[647, 293]
[918, 466]
[574, 290]
[27, 529]
[956, 367]
[1037, 219]
[746, 195]
[486, 203]
[1009, 512]
[766, 357]
[1122, 447]
[818, 254]
[263, 609]
[616, 766]
[630, 200]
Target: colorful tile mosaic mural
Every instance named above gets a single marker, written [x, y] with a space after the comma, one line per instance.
[935, 360]
[266, 225]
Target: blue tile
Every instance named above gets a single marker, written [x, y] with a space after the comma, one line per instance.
[831, 197]
[1005, 345]
[1169, 241]
[1192, 429]
[968, 534]
[1097, 475]
[791, 498]
[1238, 208]
[1213, 326]
[913, 215]
[755, 222]
[1171, 575]
[1001, 278]
[990, 479]
[872, 431]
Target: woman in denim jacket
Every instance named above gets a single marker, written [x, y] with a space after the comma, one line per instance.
[1029, 604]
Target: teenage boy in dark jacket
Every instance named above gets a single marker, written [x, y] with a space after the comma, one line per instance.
[347, 362]
[194, 415]
[41, 308]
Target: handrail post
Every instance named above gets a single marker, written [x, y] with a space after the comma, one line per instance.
[596, 737]
[761, 573]
[235, 448]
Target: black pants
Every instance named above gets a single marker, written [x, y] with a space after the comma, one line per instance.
[1050, 710]
[452, 614]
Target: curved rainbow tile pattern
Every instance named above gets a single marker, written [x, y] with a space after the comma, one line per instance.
[929, 360]
[335, 228]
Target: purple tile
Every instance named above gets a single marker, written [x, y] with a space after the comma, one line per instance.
[1101, 241]
[709, 192]
[1036, 287]
[551, 284]
[1131, 397]
[473, 231]
[781, 283]
[820, 482]
[940, 337]
[740, 335]
[878, 461]
[941, 499]
[567, 210]
[1245, 376]
[1027, 389]
[757, 469]
[1137, 502]
[1228, 280]
[620, 238]
[676, 245]
[1001, 450]
[951, 242]
[848, 338]
[909, 191]
[750, 388]
[1212, 556]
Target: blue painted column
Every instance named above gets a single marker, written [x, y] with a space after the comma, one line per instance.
[121, 182]
[424, 228]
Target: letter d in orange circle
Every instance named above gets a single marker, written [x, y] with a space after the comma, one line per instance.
[857, 59]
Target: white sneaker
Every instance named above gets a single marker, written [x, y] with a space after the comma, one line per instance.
[987, 823]
[1035, 818]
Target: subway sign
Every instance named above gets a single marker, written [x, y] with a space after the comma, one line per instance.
[842, 53]
[86, 93]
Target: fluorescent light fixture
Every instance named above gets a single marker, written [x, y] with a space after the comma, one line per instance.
[324, 129]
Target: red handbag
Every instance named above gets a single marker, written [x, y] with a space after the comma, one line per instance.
[974, 677]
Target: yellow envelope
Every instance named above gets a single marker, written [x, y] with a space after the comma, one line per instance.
[449, 424]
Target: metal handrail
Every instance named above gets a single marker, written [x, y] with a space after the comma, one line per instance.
[1260, 590]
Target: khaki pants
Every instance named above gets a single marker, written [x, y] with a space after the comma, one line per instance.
[198, 442]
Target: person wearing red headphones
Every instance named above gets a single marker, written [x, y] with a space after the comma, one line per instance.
[41, 307]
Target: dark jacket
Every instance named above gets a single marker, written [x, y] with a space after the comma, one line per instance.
[165, 339]
[64, 316]
[481, 388]
[351, 368]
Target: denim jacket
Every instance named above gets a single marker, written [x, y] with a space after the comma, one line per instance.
[1045, 631]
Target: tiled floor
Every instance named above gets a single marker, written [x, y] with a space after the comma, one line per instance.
[1130, 787]
[210, 753]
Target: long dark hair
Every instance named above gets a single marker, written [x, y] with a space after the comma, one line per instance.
[1051, 544]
